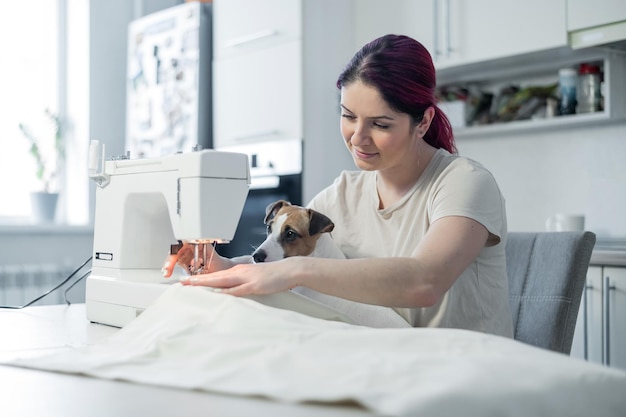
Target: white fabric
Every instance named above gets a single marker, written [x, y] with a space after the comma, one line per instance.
[449, 186]
[194, 339]
[356, 313]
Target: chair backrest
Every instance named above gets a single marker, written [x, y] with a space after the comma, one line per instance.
[547, 273]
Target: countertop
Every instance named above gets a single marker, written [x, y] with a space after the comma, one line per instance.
[609, 252]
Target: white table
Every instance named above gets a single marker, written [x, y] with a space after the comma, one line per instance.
[25, 392]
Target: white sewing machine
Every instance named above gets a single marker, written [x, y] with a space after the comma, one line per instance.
[144, 206]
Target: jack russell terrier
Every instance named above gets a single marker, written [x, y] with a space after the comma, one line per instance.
[296, 231]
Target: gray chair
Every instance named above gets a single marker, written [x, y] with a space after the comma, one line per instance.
[547, 273]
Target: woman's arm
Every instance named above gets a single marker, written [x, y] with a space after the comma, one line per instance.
[448, 248]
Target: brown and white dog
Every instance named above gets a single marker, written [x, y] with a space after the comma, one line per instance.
[296, 231]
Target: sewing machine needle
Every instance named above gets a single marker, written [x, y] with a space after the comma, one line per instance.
[204, 256]
[195, 259]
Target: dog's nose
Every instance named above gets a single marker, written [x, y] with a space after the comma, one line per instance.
[259, 256]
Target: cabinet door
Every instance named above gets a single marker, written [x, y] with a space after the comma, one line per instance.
[587, 343]
[240, 26]
[258, 96]
[374, 18]
[480, 30]
[458, 32]
[615, 316]
[583, 14]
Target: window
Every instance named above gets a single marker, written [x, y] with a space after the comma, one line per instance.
[44, 44]
[29, 81]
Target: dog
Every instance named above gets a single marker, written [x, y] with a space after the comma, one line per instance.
[296, 231]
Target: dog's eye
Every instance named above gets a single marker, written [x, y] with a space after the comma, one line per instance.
[290, 236]
[268, 229]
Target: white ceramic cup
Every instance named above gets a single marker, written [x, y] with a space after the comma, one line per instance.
[565, 223]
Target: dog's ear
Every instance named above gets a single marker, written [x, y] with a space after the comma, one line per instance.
[272, 209]
[319, 223]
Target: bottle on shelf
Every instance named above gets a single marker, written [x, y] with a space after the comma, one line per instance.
[568, 80]
[588, 95]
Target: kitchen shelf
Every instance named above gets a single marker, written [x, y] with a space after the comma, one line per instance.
[536, 125]
[538, 66]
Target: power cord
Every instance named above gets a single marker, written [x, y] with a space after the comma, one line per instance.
[65, 281]
[72, 286]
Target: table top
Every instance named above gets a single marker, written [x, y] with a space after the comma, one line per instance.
[25, 392]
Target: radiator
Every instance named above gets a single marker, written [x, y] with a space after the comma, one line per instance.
[19, 284]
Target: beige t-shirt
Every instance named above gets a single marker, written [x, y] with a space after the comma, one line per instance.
[450, 186]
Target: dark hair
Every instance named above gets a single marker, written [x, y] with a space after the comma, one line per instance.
[402, 70]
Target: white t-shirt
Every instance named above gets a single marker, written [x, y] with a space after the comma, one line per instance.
[450, 186]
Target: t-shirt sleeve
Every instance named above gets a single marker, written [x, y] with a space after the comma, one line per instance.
[467, 189]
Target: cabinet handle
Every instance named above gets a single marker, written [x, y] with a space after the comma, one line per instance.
[251, 38]
[606, 321]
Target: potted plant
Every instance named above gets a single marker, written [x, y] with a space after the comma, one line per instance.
[48, 152]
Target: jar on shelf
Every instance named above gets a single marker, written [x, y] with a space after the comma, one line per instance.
[588, 94]
[567, 90]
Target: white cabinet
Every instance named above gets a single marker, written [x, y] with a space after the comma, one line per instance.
[257, 71]
[276, 64]
[582, 14]
[599, 22]
[243, 25]
[258, 95]
[601, 326]
[458, 32]
[480, 30]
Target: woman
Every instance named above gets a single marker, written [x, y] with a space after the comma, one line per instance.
[424, 230]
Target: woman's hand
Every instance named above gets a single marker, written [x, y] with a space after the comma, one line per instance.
[247, 279]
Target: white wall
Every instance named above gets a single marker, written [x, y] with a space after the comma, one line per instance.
[581, 170]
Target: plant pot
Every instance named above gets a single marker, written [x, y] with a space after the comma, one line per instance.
[44, 206]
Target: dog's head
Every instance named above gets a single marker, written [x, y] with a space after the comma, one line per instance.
[291, 231]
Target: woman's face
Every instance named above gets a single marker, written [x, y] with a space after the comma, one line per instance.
[378, 137]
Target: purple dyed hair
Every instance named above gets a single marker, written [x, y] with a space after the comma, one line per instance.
[402, 70]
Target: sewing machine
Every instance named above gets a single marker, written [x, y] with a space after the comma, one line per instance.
[144, 206]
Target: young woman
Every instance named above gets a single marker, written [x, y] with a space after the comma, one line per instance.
[424, 229]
